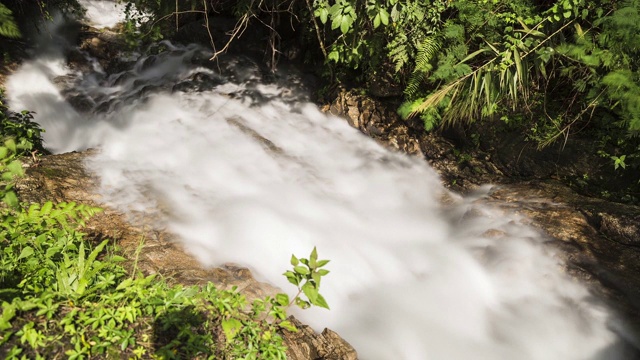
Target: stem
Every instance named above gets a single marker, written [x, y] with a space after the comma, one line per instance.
[318, 35]
[294, 298]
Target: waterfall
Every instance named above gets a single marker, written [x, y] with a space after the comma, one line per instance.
[245, 170]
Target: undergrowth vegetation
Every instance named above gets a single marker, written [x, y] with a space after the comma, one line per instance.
[65, 295]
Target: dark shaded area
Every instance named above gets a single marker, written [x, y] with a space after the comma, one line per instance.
[184, 334]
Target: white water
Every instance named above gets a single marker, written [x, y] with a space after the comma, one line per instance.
[101, 13]
[410, 278]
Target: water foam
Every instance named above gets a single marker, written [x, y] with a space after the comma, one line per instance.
[103, 13]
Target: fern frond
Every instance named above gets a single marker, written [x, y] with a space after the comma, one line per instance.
[399, 51]
[427, 52]
[8, 26]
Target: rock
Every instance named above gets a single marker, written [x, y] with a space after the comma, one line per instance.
[374, 119]
[327, 346]
[199, 82]
[383, 86]
[104, 45]
[599, 240]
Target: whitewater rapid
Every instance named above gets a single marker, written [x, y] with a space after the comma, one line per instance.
[416, 271]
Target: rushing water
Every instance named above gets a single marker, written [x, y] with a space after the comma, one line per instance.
[248, 172]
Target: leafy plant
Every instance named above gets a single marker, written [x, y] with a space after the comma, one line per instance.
[10, 168]
[618, 162]
[62, 295]
[306, 275]
[26, 133]
[8, 26]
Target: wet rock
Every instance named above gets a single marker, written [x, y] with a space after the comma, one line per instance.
[199, 82]
[382, 85]
[328, 345]
[103, 44]
[376, 120]
[599, 240]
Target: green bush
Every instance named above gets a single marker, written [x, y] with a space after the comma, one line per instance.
[62, 295]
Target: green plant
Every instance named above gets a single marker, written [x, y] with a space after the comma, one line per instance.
[26, 132]
[618, 162]
[8, 26]
[62, 295]
[10, 168]
[306, 275]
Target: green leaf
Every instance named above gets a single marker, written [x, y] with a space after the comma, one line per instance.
[345, 24]
[292, 277]
[11, 199]
[15, 167]
[310, 291]
[335, 10]
[46, 208]
[302, 304]
[125, 284]
[287, 325]
[294, 260]
[11, 145]
[313, 258]
[8, 313]
[324, 15]
[384, 16]
[8, 26]
[322, 263]
[336, 22]
[231, 328]
[320, 301]
[376, 21]
[476, 53]
[323, 272]
[282, 299]
[302, 270]
[26, 252]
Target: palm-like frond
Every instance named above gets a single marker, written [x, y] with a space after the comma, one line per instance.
[427, 52]
[8, 26]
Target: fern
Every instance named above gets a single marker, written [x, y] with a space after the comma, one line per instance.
[399, 51]
[8, 26]
[427, 52]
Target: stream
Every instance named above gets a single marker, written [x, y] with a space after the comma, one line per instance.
[243, 169]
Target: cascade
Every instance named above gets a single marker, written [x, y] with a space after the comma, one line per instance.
[243, 169]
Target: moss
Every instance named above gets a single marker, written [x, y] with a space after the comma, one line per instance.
[52, 172]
